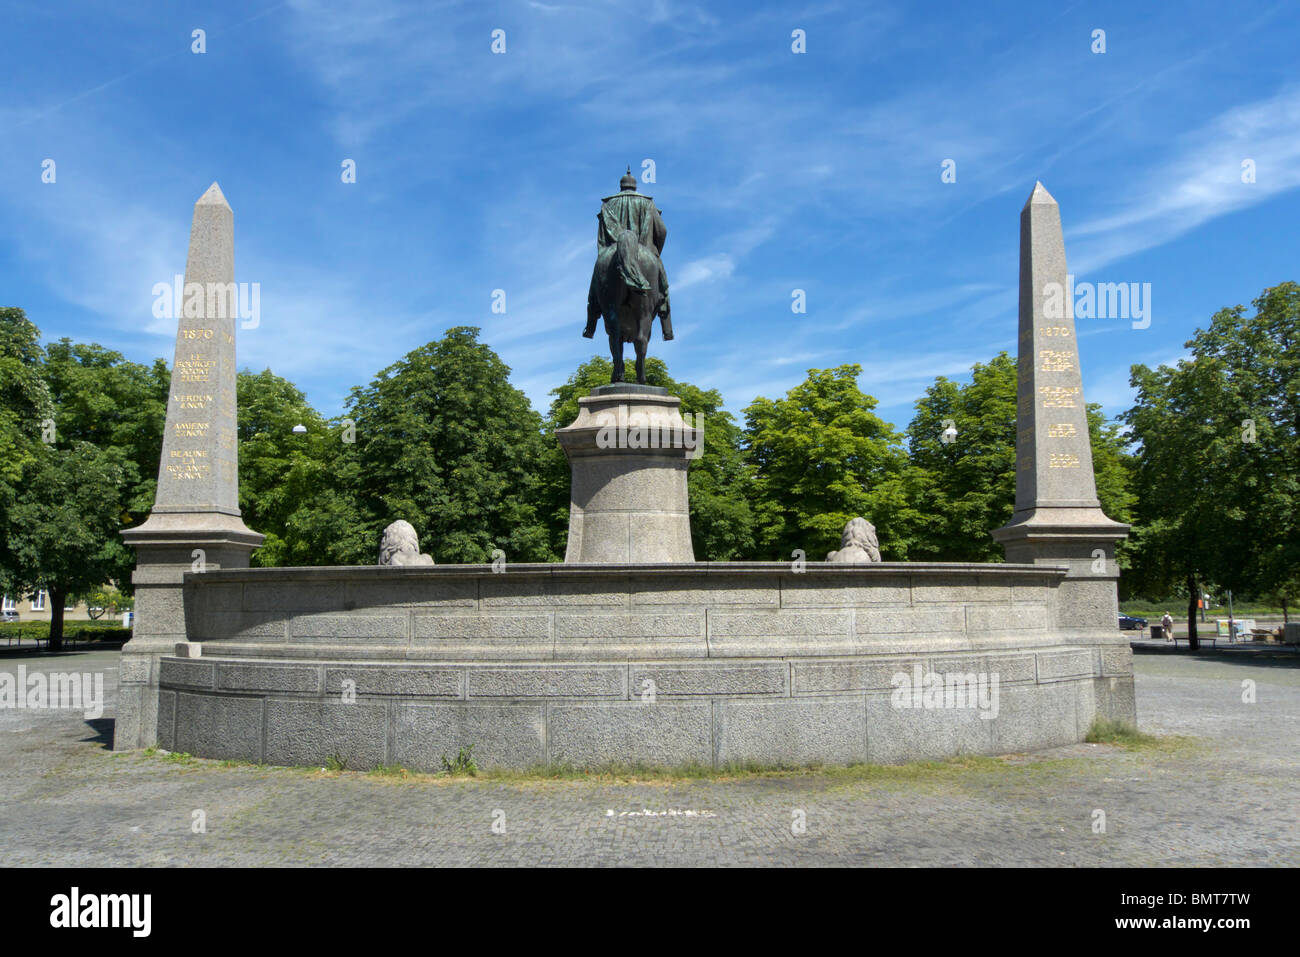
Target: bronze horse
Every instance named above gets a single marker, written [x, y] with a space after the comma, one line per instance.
[628, 312]
[628, 285]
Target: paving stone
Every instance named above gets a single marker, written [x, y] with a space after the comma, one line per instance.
[1229, 800]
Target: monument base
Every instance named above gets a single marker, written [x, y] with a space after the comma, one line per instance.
[1083, 540]
[702, 663]
[629, 450]
[167, 545]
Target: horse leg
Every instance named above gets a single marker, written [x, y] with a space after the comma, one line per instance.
[644, 319]
[615, 347]
[640, 360]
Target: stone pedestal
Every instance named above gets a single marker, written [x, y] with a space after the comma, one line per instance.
[166, 547]
[629, 450]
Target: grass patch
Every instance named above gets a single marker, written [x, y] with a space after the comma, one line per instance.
[837, 774]
[950, 772]
[1121, 733]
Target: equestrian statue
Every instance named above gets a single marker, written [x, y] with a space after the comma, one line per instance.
[628, 286]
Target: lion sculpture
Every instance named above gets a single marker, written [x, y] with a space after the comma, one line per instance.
[857, 544]
[401, 546]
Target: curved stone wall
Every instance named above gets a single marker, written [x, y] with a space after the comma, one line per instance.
[655, 664]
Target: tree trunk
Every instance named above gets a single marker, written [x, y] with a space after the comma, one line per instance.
[1193, 598]
[1285, 619]
[57, 600]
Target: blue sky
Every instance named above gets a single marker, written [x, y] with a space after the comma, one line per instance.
[775, 171]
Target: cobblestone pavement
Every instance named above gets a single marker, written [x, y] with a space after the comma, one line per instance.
[1229, 796]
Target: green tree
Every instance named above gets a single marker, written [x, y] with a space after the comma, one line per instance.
[61, 529]
[60, 495]
[966, 485]
[822, 456]
[25, 410]
[109, 599]
[102, 399]
[444, 441]
[285, 477]
[1218, 475]
[719, 480]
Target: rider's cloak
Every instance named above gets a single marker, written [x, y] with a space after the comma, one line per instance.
[636, 212]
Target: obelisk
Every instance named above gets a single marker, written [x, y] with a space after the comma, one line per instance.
[1057, 518]
[195, 524]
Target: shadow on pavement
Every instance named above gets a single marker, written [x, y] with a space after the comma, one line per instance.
[103, 732]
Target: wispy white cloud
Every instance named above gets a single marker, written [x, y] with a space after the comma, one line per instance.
[707, 269]
[1201, 180]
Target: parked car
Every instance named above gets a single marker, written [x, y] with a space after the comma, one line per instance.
[8, 616]
[1131, 623]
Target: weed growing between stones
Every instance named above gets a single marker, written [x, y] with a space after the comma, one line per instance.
[463, 763]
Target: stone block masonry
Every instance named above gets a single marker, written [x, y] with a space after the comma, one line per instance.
[704, 663]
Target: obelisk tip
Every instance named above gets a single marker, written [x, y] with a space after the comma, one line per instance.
[213, 197]
[1040, 195]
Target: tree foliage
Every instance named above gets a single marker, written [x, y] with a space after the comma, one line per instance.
[285, 476]
[25, 403]
[69, 420]
[444, 441]
[1218, 461]
[821, 457]
[107, 402]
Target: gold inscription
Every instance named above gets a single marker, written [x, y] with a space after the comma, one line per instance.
[192, 429]
[185, 472]
[1061, 430]
[193, 369]
[1058, 396]
[1063, 460]
[1056, 360]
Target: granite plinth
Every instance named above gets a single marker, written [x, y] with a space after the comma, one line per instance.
[628, 388]
[711, 663]
[629, 450]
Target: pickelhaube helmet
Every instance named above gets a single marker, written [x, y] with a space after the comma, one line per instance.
[628, 181]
